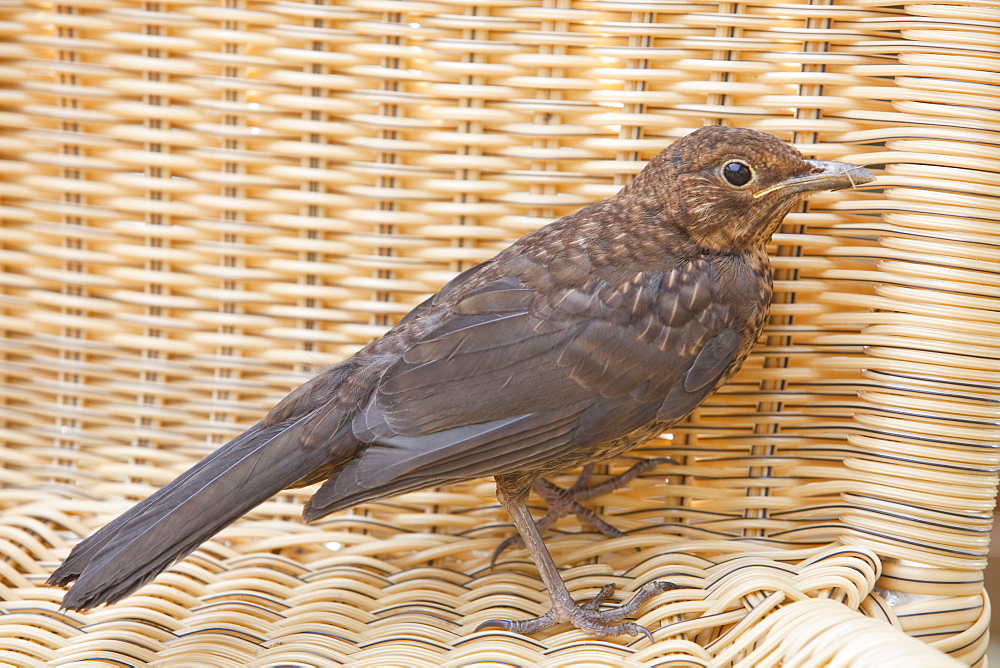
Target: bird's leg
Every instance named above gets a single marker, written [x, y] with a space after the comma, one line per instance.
[566, 501]
[587, 617]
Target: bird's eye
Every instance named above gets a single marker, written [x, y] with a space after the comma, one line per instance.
[737, 173]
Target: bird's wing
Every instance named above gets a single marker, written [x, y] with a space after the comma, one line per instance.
[515, 376]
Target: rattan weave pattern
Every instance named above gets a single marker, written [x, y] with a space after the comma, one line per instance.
[202, 202]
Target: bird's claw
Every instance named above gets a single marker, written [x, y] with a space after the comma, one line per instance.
[594, 604]
[588, 616]
[566, 501]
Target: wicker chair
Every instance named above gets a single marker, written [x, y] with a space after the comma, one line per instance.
[202, 202]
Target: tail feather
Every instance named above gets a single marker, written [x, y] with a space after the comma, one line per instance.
[170, 524]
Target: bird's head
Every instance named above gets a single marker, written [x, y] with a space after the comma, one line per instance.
[728, 189]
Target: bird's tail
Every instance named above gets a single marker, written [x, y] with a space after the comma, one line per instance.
[135, 547]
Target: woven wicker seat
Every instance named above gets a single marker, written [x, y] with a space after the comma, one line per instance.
[202, 203]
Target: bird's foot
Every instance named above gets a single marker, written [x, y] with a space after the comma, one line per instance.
[563, 501]
[588, 616]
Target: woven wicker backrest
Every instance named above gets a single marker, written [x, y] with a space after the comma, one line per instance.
[203, 202]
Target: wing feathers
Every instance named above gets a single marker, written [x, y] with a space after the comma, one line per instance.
[514, 378]
[713, 359]
[399, 464]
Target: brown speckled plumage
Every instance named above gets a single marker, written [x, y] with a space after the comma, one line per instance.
[576, 343]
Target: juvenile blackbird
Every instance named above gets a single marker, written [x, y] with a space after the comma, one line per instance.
[578, 342]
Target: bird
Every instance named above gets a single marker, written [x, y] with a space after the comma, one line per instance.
[579, 341]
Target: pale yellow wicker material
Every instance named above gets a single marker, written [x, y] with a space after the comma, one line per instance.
[202, 202]
[819, 632]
